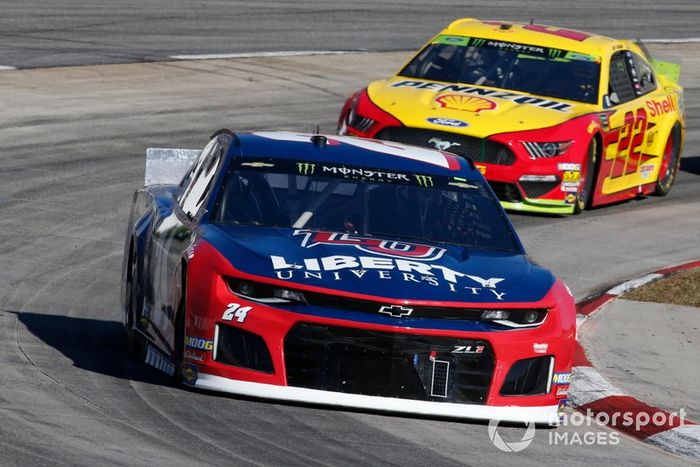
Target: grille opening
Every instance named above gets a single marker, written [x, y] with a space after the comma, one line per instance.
[528, 377]
[537, 189]
[387, 364]
[506, 191]
[244, 349]
[441, 372]
[476, 149]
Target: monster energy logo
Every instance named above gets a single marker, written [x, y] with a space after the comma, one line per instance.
[424, 180]
[306, 168]
[554, 53]
[479, 42]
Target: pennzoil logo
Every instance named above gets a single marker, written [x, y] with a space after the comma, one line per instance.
[377, 246]
[424, 180]
[465, 103]
[306, 168]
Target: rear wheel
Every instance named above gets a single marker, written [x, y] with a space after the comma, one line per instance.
[588, 173]
[670, 163]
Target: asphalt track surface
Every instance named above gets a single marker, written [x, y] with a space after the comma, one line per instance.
[71, 152]
[37, 33]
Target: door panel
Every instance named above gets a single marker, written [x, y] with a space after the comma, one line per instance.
[627, 160]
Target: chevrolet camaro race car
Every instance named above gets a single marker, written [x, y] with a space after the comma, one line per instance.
[342, 271]
[555, 119]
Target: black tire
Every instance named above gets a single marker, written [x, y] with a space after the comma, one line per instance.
[179, 338]
[135, 345]
[587, 181]
[670, 166]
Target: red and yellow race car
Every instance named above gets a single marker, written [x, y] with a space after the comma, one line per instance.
[555, 119]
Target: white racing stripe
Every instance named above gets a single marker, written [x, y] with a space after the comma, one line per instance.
[683, 440]
[288, 53]
[633, 284]
[587, 385]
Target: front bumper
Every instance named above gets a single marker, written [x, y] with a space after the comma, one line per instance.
[547, 414]
[539, 205]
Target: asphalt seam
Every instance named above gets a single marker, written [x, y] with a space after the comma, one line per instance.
[591, 393]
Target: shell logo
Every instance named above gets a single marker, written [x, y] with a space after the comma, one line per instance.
[466, 103]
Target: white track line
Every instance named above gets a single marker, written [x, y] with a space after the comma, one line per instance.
[289, 53]
[686, 40]
[6, 68]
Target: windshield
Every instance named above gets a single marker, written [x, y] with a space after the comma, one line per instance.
[369, 202]
[518, 67]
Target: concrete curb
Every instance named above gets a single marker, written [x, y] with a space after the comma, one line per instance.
[591, 393]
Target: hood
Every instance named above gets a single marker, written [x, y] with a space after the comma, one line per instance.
[475, 110]
[380, 267]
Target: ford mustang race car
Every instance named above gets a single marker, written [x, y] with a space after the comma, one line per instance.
[555, 119]
[342, 271]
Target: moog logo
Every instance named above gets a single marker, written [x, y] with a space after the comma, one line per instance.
[199, 343]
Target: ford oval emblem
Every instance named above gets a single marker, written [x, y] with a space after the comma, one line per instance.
[447, 122]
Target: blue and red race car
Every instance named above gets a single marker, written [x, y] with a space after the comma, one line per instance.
[342, 271]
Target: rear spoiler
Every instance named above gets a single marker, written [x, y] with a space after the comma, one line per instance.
[167, 166]
[670, 70]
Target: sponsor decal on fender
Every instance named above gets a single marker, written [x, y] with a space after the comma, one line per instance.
[646, 170]
[569, 187]
[561, 378]
[234, 311]
[660, 107]
[482, 92]
[571, 176]
[190, 373]
[194, 356]
[568, 166]
[562, 391]
[199, 343]
[540, 347]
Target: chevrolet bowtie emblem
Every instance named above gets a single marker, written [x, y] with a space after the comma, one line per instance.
[397, 311]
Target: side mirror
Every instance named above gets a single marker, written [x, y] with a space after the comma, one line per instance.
[610, 100]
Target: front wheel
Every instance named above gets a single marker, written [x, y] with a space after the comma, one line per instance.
[179, 337]
[670, 162]
[587, 178]
[133, 299]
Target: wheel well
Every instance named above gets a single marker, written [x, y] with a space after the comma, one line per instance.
[598, 158]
